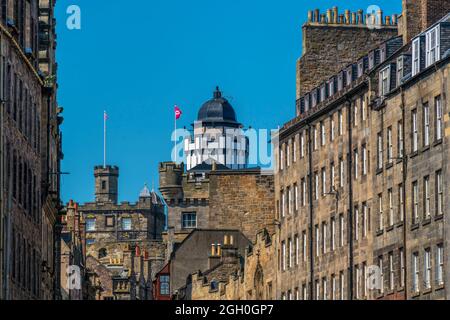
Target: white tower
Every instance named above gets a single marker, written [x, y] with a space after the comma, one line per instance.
[217, 137]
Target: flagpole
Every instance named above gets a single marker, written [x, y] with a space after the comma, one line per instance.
[175, 140]
[104, 139]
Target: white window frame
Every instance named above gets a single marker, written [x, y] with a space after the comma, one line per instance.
[304, 246]
[324, 181]
[440, 264]
[440, 194]
[427, 269]
[340, 123]
[426, 125]
[415, 131]
[365, 229]
[317, 236]
[415, 201]
[364, 159]
[432, 45]
[415, 56]
[438, 112]
[390, 146]
[333, 234]
[391, 272]
[385, 83]
[415, 272]
[400, 63]
[380, 212]
[427, 197]
[391, 207]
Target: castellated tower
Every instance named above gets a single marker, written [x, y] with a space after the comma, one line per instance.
[170, 180]
[106, 184]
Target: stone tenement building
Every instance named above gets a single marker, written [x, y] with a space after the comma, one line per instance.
[362, 177]
[30, 151]
[236, 276]
[201, 250]
[216, 193]
[123, 242]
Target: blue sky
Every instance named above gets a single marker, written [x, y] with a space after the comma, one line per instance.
[137, 59]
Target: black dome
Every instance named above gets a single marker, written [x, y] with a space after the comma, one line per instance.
[217, 109]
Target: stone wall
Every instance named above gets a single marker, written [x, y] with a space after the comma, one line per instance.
[243, 200]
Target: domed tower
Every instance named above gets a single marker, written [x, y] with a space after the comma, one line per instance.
[217, 137]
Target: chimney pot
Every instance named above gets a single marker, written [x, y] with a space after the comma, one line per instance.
[316, 15]
[347, 16]
[335, 14]
[380, 17]
[329, 16]
[310, 16]
[394, 19]
[388, 20]
[354, 18]
[360, 16]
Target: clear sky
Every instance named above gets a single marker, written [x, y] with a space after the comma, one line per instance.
[138, 58]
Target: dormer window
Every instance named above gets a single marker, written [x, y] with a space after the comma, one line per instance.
[349, 76]
[383, 53]
[371, 60]
[385, 82]
[432, 41]
[400, 70]
[416, 56]
[341, 81]
[323, 93]
[331, 87]
[360, 68]
[314, 98]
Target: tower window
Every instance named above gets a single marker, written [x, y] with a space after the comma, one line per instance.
[90, 224]
[103, 185]
[189, 220]
[126, 224]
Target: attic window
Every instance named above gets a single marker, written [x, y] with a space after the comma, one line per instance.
[385, 75]
[360, 69]
[331, 87]
[432, 46]
[341, 81]
[349, 77]
[400, 73]
[323, 93]
[416, 56]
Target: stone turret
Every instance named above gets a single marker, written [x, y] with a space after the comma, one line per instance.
[106, 184]
[170, 180]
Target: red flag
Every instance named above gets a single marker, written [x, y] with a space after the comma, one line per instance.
[105, 116]
[177, 112]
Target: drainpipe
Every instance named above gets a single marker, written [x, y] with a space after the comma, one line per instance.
[2, 177]
[311, 214]
[350, 201]
[404, 177]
